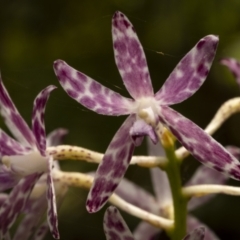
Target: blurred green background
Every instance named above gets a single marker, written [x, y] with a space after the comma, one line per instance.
[35, 33]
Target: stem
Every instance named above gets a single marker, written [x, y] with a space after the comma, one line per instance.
[179, 202]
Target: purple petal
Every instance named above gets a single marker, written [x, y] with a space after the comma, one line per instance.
[112, 168]
[56, 137]
[10, 147]
[51, 199]
[3, 197]
[190, 73]
[38, 126]
[16, 202]
[145, 231]
[130, 57]
[114, 226]
[196, 234]
[159, 178]
[139, 129]
[193, 223]
[8, 178]
[13, 119]
[41, 231]
[204, 175]
[137, 196]
[234, 67]
[201, 145]
[90, 93]
[235, 151]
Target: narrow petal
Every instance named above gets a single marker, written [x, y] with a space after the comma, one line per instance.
[13, 119]
[137, 196]
[16, 202]
[51, 199]
[10, 147]
[234, 66]
[190, 73]
[196, 234]
[41, 231]
[55, 137]
[8, 178]
[3, 197]
[201, 145]
[145, 231]
[139, 129]
[235, 151]
[38, 125]
[90, 93]
[204, 175]
[114, 226]
[112, 168]
[130, 57]
[193, 223]
[159, 178]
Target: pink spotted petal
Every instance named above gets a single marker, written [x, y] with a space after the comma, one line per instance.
[13, 119]
[235, 151]
[190, 73]
[10, 147]
[137, 196]
[234, 66]
[204, 175]
[112, 168]
[114, 226]
[16, 202]
[196, 234]
[90, 93]
[38, 125]
[130, 57]
[139, 129]
[145, 231]
[193, 224]
[41, 231]
[159, 178]
[56, 137]
[51, 199]
[201, 145]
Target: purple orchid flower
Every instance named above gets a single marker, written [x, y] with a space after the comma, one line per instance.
[27, 156]
[161, 204]
[146, 109]
[116, 228]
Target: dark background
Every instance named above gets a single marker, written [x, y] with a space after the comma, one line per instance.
[35, 33]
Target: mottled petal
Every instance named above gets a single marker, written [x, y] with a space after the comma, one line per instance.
[137, 196]
[16, 202]
[190, 73]
[55, 137]
[113, 167]
[234, 67]
[159, 178]
[90, 93]
[201, 145]
[8, 178]
[114, 226]
[38, 125]
[145, 231]
[235, 151]
[9, 147]
[13, 119]
[130, 57]
[51, 199]
[204, 175]
[41, 231]
[196, 234]
[139, 129]
[193, 223]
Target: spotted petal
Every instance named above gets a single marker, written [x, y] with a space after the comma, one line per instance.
[234, 67]
[16, 202]
[55, 137]
[13, 119]
[113, 167]
[115, 226]
[196, 234]
[204, 175]
[235, 151]
[130, 57]
[201, 145]
[38, 118]
[190, 73]
[90, 93]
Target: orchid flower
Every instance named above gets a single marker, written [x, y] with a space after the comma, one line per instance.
[146, 110]
[116, 228]
[23, 158]
[162, 203]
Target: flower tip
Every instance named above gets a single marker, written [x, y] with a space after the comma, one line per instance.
[92, 207]
[58, 63]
